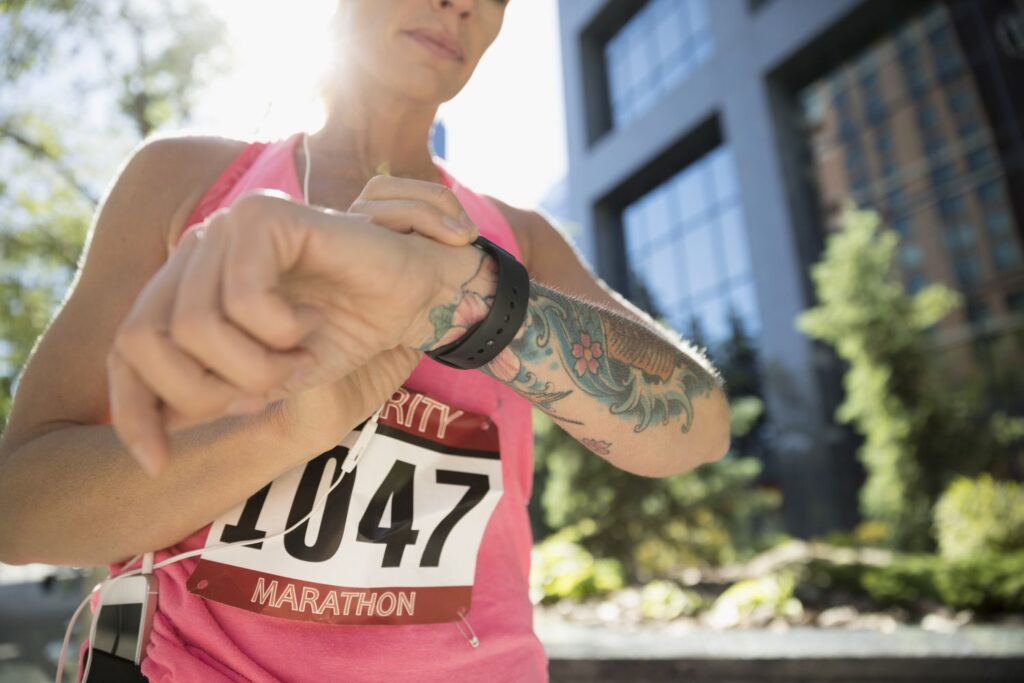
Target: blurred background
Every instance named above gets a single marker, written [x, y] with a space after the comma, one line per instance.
[827, 195]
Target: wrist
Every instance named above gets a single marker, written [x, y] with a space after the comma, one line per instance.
[467, 279]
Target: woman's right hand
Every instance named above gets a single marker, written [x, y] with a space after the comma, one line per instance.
[142, 420]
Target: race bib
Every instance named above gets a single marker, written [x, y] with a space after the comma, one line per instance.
[395, 542]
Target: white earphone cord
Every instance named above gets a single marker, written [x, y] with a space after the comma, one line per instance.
[147, 567]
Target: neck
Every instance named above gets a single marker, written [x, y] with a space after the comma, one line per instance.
[368, 128]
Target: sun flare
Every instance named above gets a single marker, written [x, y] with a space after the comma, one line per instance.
[277, 49]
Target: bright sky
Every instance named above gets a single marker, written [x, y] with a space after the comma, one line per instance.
[516, 89]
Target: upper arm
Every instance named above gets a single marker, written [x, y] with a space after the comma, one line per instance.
[64, 381]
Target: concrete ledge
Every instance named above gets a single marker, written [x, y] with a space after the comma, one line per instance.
[742, 670]
[679, 652]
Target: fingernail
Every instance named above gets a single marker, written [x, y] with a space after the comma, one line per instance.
[470, 225]
[245, 406]
[458, 227]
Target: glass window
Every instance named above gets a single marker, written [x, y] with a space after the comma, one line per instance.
[634, 223]
[927, 117]
[951, 207]
[723, 174]
[967, 268]
[969, 130]
[700, 258]
[657, 49]
[935, 148]
[958, 236]
[915, 283]
[943, 174]
[998, 223]
[714, 318]
[743, 299]
[948, 64]
[979, 159]
[977, 310]
[883, 140]
[661, 216]
[734, 241]
[687, 250]
[691, 193]
[910, 255]
[1006, 255]
[896, 199]
[960, 101]
[903, 225]
[1015, 301]
[854, 158]
[990, 193]
[908, 52]
[917, 82]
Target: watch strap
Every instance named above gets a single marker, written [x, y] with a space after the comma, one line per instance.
[484, 340]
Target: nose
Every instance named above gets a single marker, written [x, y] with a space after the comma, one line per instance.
[463, 6]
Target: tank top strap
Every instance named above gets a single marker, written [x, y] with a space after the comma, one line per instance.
[239, 166]
[492, 222]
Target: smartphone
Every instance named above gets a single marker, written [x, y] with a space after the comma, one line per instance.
[125, 618]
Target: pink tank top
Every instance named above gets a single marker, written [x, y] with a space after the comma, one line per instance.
[195, 639]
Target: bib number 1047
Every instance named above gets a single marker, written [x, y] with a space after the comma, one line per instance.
[397, 487]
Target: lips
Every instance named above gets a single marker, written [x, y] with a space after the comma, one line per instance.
[440, 40]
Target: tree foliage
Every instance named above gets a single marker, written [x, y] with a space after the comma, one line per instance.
[919, 430]
[83, 83]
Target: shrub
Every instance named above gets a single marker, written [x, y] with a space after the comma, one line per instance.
[769, 595]
[980, 515]
[919, 429]
[662, 599]
[985, 582]
[562, 568]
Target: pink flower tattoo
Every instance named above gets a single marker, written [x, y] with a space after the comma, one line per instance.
[596, 445]
[586, 354]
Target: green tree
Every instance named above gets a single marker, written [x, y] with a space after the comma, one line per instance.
[918, 429]
[103, 74]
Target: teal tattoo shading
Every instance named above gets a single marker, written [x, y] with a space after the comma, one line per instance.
[639, 377]
[443, 317]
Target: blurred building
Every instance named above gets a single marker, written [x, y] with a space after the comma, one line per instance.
[712, 145]
[438, 139]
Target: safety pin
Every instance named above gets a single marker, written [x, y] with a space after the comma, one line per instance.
[474, 641]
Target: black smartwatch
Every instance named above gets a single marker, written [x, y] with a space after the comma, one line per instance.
[485, 340]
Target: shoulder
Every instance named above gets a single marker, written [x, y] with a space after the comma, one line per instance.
[532, 229]
[172, 173]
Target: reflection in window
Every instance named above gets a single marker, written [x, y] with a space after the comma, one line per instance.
[968, 270]
[1006, 255]
[657, 49]
[916, 283]
[910, 255]
[930, 164]
[696, 262]
[998, 223]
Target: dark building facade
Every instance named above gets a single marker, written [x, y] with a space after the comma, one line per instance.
[712, 144]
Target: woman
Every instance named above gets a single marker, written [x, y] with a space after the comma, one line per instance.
[431, 528]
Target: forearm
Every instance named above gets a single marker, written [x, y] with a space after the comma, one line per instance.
[74, 496]
[627, 394]
[645, 403]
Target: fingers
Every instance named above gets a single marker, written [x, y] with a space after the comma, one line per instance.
[135, 415]
[409, 205]
[146, 368]
[200, 328]
[257, 253]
